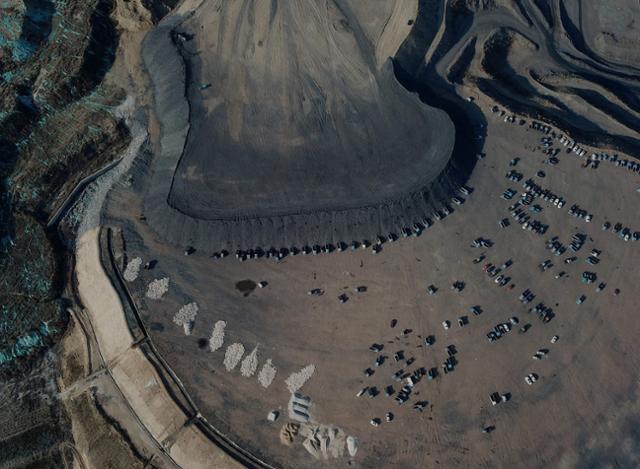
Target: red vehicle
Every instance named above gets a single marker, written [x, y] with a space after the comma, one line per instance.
[486, 266]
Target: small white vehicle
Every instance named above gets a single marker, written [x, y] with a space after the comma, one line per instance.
[375, 422]
[446, 325]
[554, 339]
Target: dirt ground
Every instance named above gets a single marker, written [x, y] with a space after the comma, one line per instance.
[582, 412]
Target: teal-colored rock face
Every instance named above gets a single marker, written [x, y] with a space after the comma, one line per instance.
[26, 344]
[25, 27]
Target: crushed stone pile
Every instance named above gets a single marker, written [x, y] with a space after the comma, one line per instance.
[352, 445]
[249, 365]
[133, 269]
[267, 374]
[157, 288]
[323, 441]
[217, 335]
[186, 317]
[233, 355]
[288, 433]
[296, 380]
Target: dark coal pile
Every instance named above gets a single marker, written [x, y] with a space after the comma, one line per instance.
[278, 136]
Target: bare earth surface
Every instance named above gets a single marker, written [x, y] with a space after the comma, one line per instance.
[570, 408]
[283, 124]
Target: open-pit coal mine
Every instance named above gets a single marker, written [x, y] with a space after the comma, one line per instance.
[464, 174]
[284, 124]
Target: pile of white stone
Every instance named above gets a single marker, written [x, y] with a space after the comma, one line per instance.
[234, 355]
[186, 317]
[157, 288]
[133, 269]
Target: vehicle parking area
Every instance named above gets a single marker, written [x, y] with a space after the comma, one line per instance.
[576, 411]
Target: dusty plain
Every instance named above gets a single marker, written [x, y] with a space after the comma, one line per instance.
[581, 413]
[218, 129]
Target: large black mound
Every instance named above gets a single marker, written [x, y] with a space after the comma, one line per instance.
[296, 117]
[283, 124]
